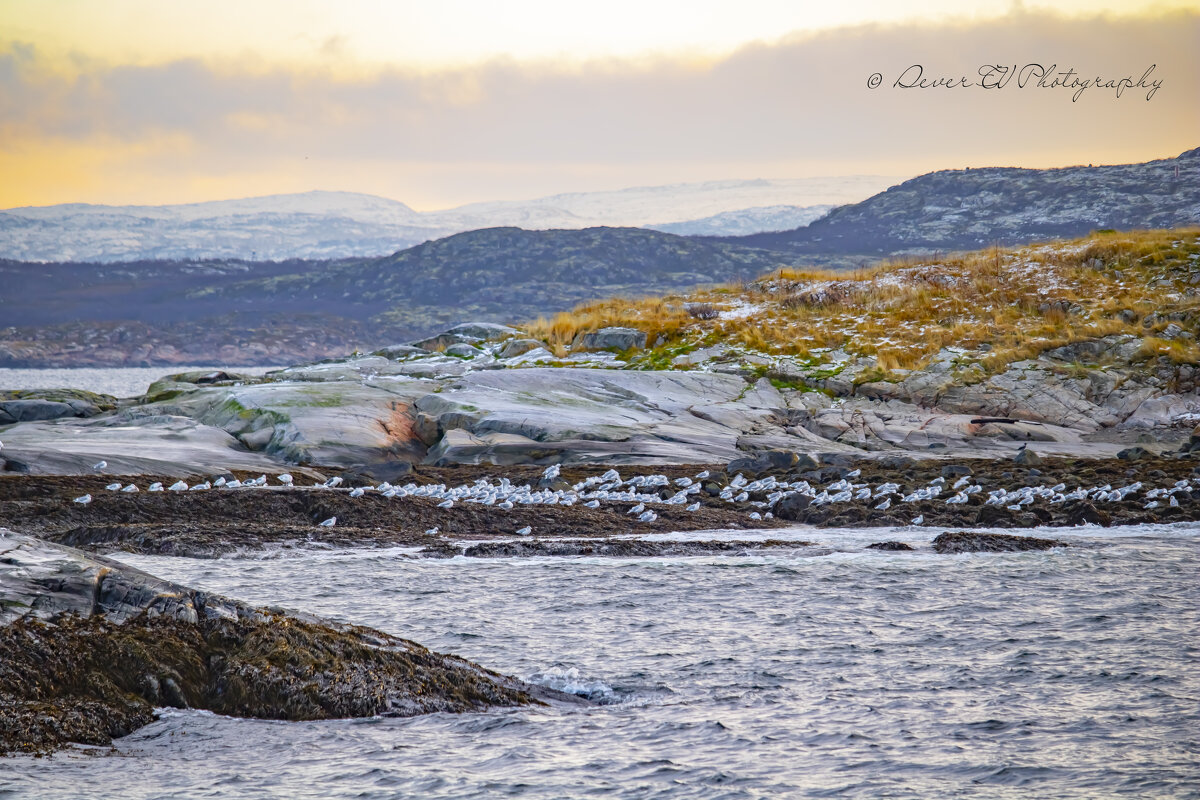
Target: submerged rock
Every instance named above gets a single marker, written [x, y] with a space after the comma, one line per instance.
[974, 542]
[894, 546]
[91, 646]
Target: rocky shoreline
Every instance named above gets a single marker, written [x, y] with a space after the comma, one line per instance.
[89, 647]
[844, 493]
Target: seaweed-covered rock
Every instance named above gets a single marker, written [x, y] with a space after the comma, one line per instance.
[891, 546]
[975, 542]
[793, 507]
[91, 646]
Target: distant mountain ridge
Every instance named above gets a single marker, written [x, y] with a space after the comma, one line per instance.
[325, 225]
[972, 208]
[175, 312]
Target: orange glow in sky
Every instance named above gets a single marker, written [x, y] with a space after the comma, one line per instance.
[437, 104]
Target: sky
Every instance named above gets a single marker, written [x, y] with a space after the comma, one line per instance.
[440, 104]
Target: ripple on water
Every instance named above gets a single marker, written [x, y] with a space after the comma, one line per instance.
[1064, 673]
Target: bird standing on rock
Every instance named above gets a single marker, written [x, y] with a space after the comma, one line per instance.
[524, 531]
[328, 523]
[100, 465]
[84, 500]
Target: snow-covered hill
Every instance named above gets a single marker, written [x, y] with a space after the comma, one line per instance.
[747, 221]
[321, 225]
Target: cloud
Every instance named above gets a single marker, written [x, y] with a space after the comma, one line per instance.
[802, 100]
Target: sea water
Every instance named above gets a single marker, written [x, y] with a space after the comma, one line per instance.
[854, 673]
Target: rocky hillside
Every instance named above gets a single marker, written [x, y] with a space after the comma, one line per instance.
[269, 313]
[968, 209]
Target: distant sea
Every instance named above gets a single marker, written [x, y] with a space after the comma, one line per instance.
[118, 381]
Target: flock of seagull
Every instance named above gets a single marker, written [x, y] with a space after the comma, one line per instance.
[645, 490]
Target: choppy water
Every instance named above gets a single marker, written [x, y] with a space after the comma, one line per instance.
[117, 381]
[1068, 673]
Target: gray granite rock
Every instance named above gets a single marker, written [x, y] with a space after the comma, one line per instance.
[613, 339]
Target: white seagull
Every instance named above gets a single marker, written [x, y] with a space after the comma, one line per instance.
[328, 523]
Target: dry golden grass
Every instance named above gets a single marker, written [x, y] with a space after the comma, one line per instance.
[1019, 302]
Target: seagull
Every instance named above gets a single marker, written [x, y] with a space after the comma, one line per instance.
[637, 509]
[647, 516]
[285, 479]
[885, 505]
[100, 465]
[432, 531]
[334, 481]
[694, 507]
[113, 487]
[83, 501]
[755, 515]
[177, 486]
[359, 492]
[550, 474]
[219, 482]
[447, 503]
[702, 475]
[592, 504]
[200, 487]
[919, 519]
[741, 498]
[525, 531]
[507, 504]
[155, 487]
[329, 523]
[130, 489]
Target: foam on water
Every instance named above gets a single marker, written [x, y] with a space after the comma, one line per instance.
[1068, 673]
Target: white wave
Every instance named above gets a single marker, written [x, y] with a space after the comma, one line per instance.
[568, 679]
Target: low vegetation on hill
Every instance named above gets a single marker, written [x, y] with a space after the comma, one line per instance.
[1004, 304]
